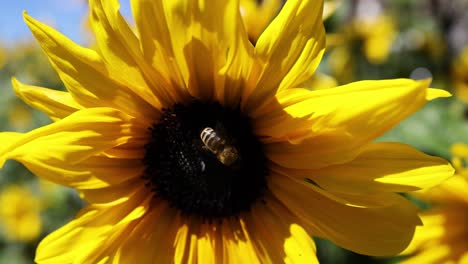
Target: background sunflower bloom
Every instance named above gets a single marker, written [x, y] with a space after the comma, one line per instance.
[444, 236]
[190, 144]
[20, 218]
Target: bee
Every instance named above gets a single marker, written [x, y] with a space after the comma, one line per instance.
[218, 145]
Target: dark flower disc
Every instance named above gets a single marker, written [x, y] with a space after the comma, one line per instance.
[186, 164]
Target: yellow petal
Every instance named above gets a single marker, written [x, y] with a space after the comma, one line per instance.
[268, 244]
[300, 248]
[379, 231]
[433, 93]
[120, 49]
[95, 173]
[6, 140]
[237, 247]
[207, 44]
[451, 191]
[55, 104]
[290, 48]
[429, 234]
[207, 243]
[86, 76]
[354, 198]
[95, 228]
[56, 151]
[319, 128]
[127, 151]
[276, 235]
[154, 238]
[435, 255]
[381, 167]
[219, 54]
[163, 48]
[220, 44]
[110, 193]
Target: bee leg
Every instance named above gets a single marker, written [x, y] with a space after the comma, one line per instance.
[203, 166]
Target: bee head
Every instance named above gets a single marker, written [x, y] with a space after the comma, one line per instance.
[228, 156]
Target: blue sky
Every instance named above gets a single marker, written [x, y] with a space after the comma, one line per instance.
[64, 15]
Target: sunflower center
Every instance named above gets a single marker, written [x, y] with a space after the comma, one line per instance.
[205, 160]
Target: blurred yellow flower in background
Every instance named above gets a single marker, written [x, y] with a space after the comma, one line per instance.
[444, 236]
[377, 34]
[367, 34]
[341, 62]
[19, 116]
[460, 75]
[20, 213]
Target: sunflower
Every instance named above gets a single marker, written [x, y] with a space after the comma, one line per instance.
[444, 236]
[190, 144]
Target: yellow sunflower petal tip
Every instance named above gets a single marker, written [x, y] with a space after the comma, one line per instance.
[14, 83]
[434, 93]
[29, 20]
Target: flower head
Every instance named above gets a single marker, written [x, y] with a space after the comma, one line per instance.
[444, 236]
[191, 144]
